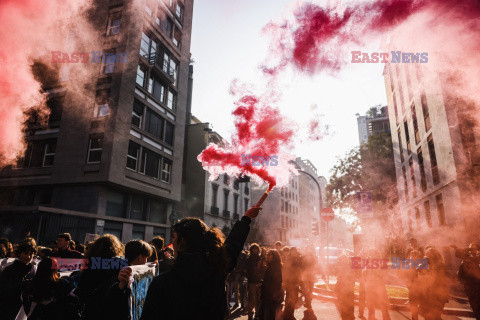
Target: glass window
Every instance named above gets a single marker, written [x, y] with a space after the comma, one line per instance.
[428, 215]
[114, 228]
[138, 209]
[166, 24]
[159, 91]
[433, 160]
[114, 23]
[150, 163]
[226, 193]
[179, 11]
[115, 204]
[138, 232]
[154, 124]
[49, 153]
[140, 76]
[132, 156]
[137, 113]
[158, 212]
[169, 133]
[171, 100]
[144, 45]
[166, 170]
[101, 110]
[426, 114]
[235, 203]
[95, 146]
[177, 38]
[214, 195]
[108, 63]
[440, 209]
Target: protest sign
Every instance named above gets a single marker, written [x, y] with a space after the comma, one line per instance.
[142, 276]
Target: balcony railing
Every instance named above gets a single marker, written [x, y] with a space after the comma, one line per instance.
[161, 63]
[226, 213]
[236, 216]
[214, 210]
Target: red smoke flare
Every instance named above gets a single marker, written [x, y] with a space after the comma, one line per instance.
[260, 131]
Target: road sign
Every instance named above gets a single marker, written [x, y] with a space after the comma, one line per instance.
[364, 204]
[327, 214]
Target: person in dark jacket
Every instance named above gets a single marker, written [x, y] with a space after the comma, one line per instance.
[102, 295]
[12, 276]
[64, 250]
[293, 277]
[344, 288]
[469, 275]
[195, 287]
[272, 294]
[255, 271]
[46, 296]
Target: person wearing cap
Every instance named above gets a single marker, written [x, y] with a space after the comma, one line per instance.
[63, 248]
[12, 276]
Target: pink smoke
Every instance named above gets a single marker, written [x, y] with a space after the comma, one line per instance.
[27, 31]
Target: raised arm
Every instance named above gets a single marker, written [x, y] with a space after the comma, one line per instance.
[236, 239]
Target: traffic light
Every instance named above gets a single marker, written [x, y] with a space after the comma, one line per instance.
[315, 229]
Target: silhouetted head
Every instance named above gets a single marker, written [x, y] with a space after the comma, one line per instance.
[193, 235]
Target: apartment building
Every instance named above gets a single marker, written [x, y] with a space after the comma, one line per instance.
[280, 218]
[220, 202]
[110, 160]
[375, 121]
[435, 157]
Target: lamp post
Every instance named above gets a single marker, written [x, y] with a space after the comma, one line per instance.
[172, 220]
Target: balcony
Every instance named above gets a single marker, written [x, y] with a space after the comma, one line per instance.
[236, 216]
[154, 59]
[214, 210]
[226, 213]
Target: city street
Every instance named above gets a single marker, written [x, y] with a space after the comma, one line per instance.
[327, 311]
[160, 159]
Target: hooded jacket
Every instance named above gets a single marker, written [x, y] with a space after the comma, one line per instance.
[195, 288]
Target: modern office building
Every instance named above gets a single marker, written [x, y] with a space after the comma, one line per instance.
[436, 157]
[218, 203]
[375, 121]
[110, 158]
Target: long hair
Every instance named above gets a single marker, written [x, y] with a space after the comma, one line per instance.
[46, 276]
[106, 246]
[200, 239]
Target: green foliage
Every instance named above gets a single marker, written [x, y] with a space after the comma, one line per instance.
[369, 167]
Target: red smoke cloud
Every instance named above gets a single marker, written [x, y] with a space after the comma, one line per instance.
[260, 131]
[26, 29]
[320, 38]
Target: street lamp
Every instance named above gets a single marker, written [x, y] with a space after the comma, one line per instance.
[172, 220]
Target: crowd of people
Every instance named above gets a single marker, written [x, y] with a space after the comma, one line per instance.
[422, 271]
[268, 283]
[203, 275]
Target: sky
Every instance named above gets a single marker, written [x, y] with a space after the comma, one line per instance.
[228, 44]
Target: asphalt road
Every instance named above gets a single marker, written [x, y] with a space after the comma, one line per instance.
[327, 311]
